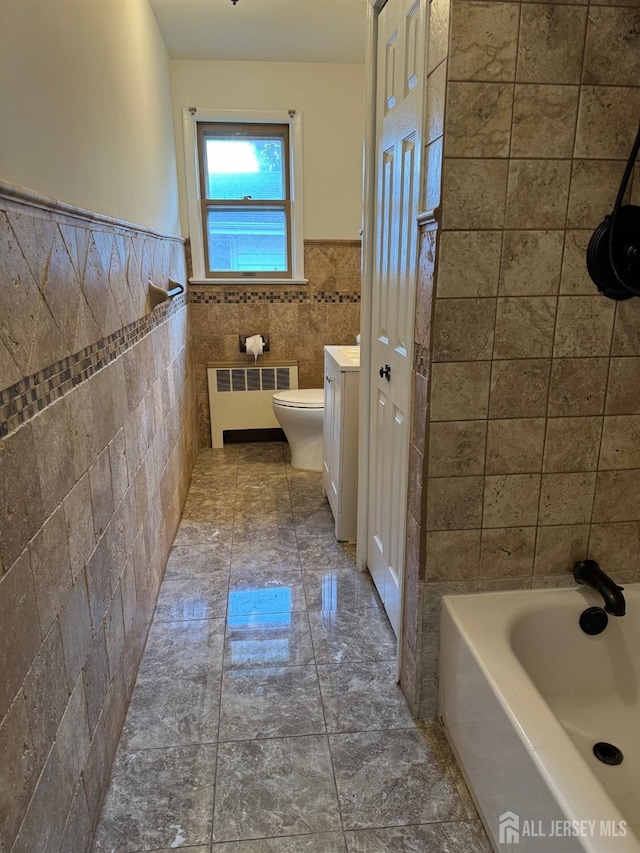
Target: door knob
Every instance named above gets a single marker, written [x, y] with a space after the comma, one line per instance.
[385, 372]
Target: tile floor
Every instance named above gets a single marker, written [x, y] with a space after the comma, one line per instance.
[265, 717]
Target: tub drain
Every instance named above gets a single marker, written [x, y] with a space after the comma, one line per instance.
[607, 753]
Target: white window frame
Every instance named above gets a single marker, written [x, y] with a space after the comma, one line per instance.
[190, 118]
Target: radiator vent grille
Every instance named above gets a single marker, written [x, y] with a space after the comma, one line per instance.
[253, 379]
[240, 397]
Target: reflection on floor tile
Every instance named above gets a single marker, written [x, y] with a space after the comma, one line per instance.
[273, 639]
[280, 786]
[270, 702]
[156, 798]
[257, 591]
[271, 658]
[398, 779]
[338, 590]
[324, 552]
[359, 697]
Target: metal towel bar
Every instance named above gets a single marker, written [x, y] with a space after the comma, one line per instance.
[159, 294]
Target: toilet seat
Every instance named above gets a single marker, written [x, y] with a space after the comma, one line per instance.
[300, 398]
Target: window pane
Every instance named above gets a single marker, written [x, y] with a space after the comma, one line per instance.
[245, 167]
[247, 239]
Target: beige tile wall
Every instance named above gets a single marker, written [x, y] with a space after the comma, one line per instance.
[299, 320]
[529, 450]
[90, 497]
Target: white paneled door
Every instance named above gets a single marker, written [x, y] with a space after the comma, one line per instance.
[400, 92]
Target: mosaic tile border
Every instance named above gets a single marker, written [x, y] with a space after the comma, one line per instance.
[22, 401]
[270, 297]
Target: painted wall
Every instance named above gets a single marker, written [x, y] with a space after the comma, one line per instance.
[331, 98]
[524, 453]
[85, 113]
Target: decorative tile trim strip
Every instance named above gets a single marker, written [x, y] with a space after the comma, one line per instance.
[21, 402]
[420, 359]
[11, 194]
[338, 244]
[262, 297]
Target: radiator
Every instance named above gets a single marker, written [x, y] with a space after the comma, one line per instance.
[240, 396]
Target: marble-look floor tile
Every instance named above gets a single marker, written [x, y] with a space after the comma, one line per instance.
[392, 778]
[277, 556]
[270, 702]
[202, 597]
[308, 498]
[206, 849]
[193, 531]
[259, 591]
[215, 489]
[332, 589]
[280, 786]
[313, 523]
[267, 451]
[456, 837]
[183, 649]
[359, 697]
[249, 499]
[318, 553]
[345, 636]
[274, 639]
[323, 842]
[265, 474]
[158, 798]
[191, 561]
[172, 711]
[200, 506]
[255, 527]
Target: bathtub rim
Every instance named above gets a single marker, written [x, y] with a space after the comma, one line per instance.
[571, 782]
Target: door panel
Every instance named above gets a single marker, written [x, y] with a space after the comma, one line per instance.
[400, 90]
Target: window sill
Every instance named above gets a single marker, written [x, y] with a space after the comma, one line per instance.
[247, 282]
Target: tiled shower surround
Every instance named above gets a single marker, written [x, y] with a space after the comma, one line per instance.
[299, 320]
[97, 414]
[526, 429]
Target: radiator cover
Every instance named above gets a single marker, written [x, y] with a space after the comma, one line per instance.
[240, 395]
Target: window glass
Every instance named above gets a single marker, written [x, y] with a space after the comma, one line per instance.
[247, 239]
[245, 203]
[237, 168]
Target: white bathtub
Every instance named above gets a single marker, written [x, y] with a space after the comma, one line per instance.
[524, 696]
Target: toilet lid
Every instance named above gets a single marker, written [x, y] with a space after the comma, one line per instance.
[301, 398]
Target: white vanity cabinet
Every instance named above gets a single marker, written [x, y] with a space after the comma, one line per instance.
[340, 437]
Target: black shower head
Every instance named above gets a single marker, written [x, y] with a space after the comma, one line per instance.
[613, 253]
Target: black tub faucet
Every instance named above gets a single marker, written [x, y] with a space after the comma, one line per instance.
[589, 573]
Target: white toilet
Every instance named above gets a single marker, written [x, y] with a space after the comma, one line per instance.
[300, 413]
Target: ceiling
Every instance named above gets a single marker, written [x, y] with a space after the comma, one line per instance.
[263, 30]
